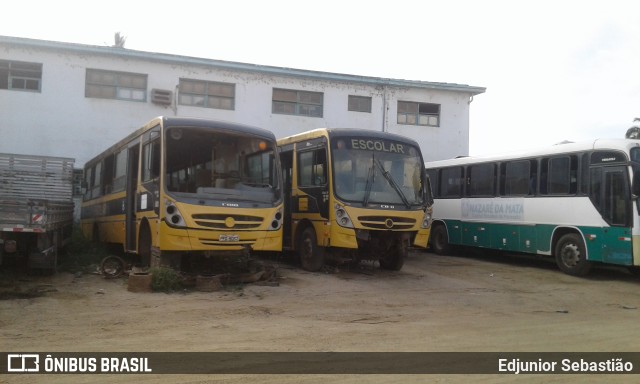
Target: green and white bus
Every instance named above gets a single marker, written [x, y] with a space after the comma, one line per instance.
[576, 202]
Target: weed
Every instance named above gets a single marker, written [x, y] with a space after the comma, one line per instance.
[82, 252]
[165, 279]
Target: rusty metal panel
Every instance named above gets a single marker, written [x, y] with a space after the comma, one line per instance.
[36, 177]
[36, 192]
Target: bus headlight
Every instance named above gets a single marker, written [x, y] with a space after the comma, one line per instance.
[173, 216]
[276, 221]
[342, 217]
[426, 219]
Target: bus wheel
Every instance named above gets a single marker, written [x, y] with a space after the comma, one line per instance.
[144, 245]
[571, 255]
[440, 240]
[394, 260]
[311, 256]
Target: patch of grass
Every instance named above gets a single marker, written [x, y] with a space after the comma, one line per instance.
[165, 279]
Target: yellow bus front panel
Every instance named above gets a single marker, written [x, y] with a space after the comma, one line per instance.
[207, 229]
[379, 220]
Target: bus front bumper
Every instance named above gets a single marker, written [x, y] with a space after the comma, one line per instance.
[189, 240]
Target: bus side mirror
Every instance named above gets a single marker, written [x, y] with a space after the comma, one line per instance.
[635, 186]
[635, 189]
[428, 192]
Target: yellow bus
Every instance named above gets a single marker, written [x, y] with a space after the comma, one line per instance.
[354, 194]
[179, 192]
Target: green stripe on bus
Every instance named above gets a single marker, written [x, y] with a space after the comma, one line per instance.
[608, 245]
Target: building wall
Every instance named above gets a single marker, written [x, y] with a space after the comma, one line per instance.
[61, 121]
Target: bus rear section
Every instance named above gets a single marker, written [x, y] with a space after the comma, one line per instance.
[354, 195]
[200, 192]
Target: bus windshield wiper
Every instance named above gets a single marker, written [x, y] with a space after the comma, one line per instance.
[392, 182]
[371, 176]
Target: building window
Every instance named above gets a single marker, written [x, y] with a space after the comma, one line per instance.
[359, 103]
[292, 102]
[116, 85]
[411, 113]
[20, 75]
[207, 94]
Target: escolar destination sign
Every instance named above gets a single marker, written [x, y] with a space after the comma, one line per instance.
[377, 145]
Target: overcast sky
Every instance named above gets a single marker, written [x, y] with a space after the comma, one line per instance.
[554, 70]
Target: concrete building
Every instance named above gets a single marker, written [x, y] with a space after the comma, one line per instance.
[73, 100]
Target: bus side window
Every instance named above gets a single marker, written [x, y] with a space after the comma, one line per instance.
[88, 177]
[584, 174]
[562, 176]
[107, 174]
[151, 160]
[595, 192]
[482, 180]
[286, 162]
[516, 178]
[96, 181]
[120, 171]
[312, 168]
[450, 182]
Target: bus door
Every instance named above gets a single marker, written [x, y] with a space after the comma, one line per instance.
[130, 202]
[286, 162]
[610, 185]
[311, 199]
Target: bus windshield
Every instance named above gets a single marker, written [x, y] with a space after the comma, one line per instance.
[378, 171]
[220, 165]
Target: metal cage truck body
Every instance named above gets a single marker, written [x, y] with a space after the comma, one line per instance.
[36, 209]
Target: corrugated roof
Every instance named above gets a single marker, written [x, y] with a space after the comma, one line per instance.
[235, 66]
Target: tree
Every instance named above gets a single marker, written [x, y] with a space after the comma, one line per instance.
[634, 131]
[119, 40]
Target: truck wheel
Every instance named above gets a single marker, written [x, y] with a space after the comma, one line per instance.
[571, 255]
[440, 240]
[311, 256]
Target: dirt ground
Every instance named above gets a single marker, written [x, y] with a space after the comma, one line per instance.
[436, 303]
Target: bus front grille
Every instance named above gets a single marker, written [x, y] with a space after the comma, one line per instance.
[221, 221]
[387, 222]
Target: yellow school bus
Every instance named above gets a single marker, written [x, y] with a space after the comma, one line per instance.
[354, 194]
[180, 191]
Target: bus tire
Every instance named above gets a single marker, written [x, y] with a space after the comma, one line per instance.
[394, 260]
[144, 245]
[571, 255]
[440, 240]
[311, 256]
[112, 267]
